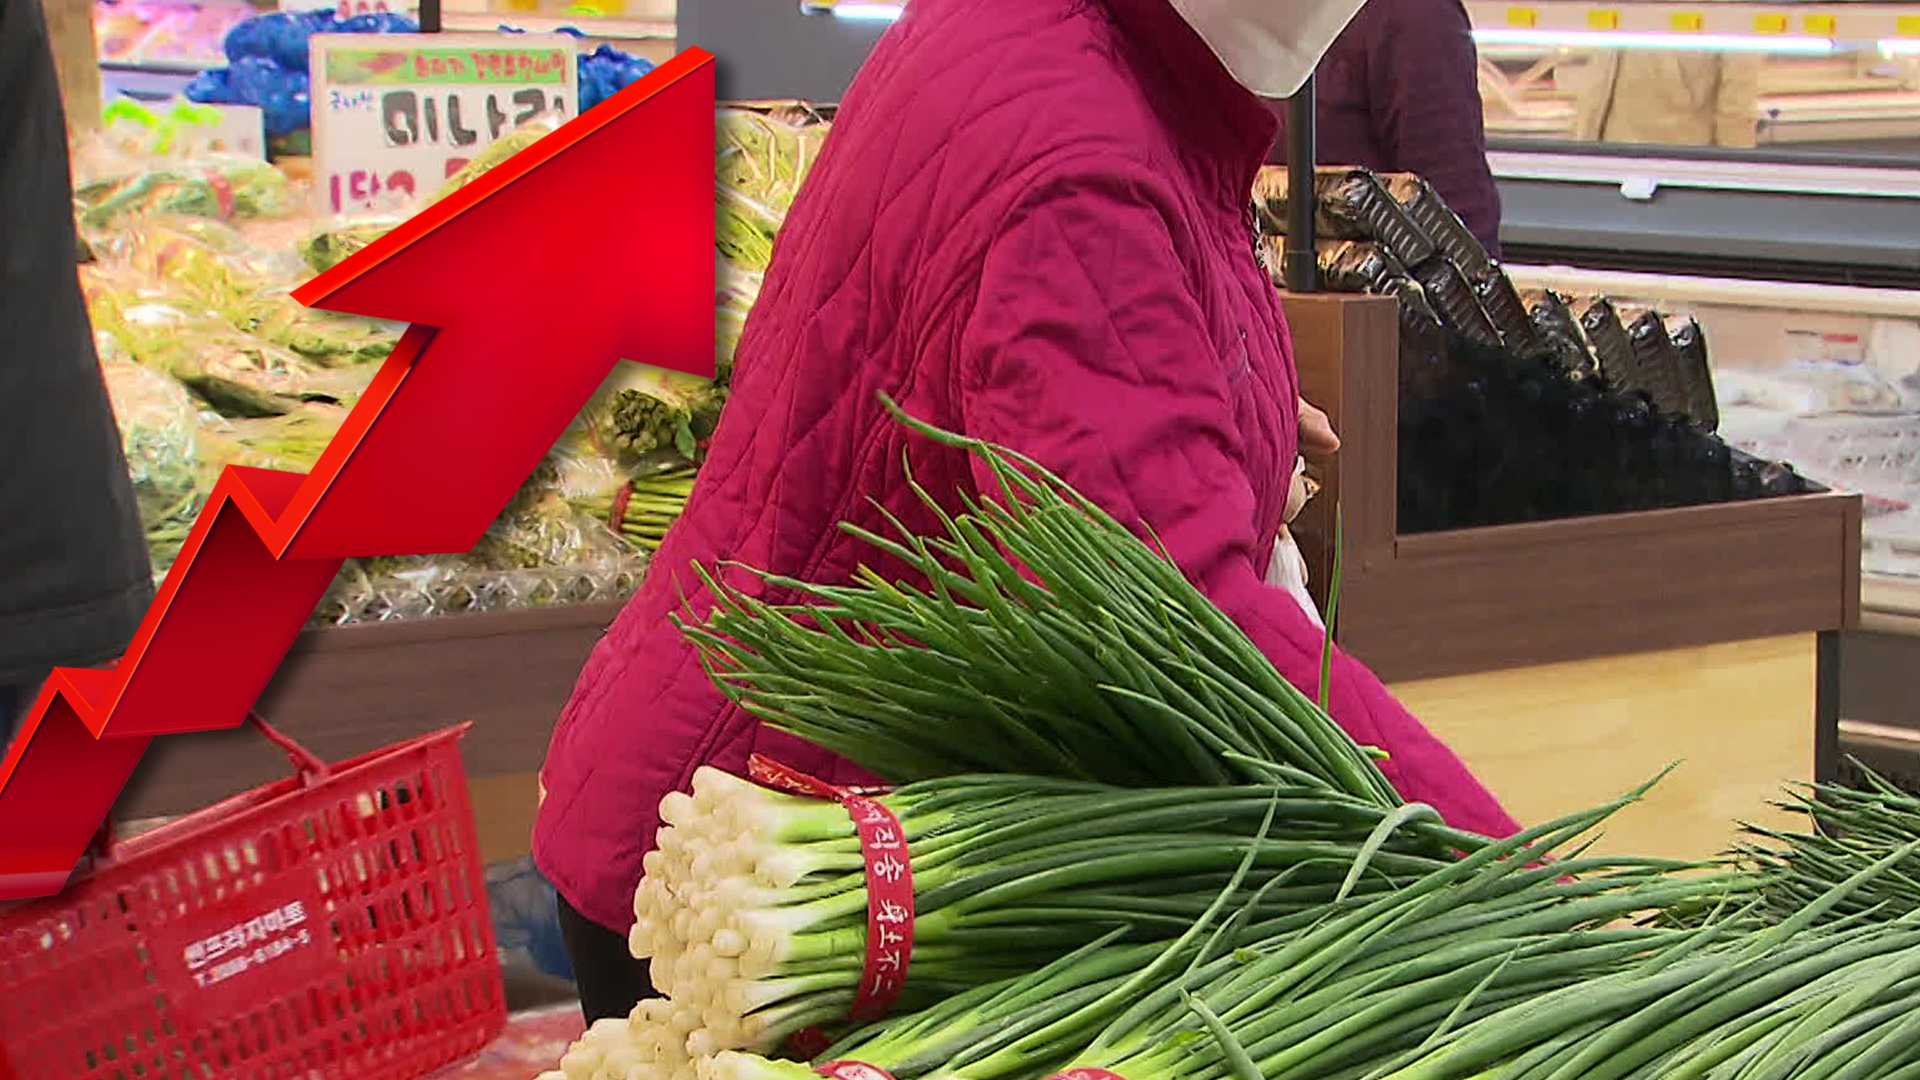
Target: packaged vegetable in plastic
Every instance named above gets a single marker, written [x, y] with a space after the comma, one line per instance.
[335, 243]
[324, 338]
[159, 427]
[293, 441]
[498, 151]
[215, 186]
[764, 157]
[656, 409]
[735, 290]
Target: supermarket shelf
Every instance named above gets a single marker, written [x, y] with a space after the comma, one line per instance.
[606, 29]
[1890, 605]
[343, 689]
[1731, 175]
[143, 83]
[1828, 230]
[1843, 20]
[1679, 289]
[1834, 21]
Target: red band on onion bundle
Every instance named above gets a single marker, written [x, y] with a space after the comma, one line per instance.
[617, 516]
[883, 844]
[1086, 1072]
[808, 1043]
[852, 1070]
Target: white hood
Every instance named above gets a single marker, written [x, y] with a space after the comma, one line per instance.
[1268, 46]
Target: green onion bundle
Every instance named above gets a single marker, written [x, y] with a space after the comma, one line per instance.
[1296, 997]
[753, 905]
[1742, 999]
[1104, 664]
[650, 1044]
[653, 504]
[1847, 830]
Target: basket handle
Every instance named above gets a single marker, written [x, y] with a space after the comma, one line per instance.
[309, 768]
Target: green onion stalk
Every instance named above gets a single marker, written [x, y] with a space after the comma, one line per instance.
[660, 1039]
[1297, 997]
[1808, 996]
[1100, 662]
[752, 908]
[1847, 829]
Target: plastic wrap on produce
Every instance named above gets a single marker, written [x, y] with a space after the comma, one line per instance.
[1560, 331]
[1350, 204]
[1348, 266]
[735, 290]
[1450, 294]
[1814, 387]
[415, 587]
[188, 256]
[159, 427]
[211, 187]
[764, 156]
[1607, 336]
[331, 243]
[1656, 363]
[1503, 306]
[1430, 213]
[1696, 371]
[498, 151]
[542, 550]
[1876, 456]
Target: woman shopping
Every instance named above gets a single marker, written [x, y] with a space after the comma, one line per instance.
[1029, 224]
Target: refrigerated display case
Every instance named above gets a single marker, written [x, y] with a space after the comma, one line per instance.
[1803, 265]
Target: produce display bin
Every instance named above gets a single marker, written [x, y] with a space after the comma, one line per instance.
[1611, 645]
[507, 673]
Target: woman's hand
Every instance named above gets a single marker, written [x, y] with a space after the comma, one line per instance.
[1317, 437]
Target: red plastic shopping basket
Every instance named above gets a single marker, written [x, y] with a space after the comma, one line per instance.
[331, 925]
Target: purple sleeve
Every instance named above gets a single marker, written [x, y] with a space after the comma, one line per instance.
[1425, 78]
[1087, 352]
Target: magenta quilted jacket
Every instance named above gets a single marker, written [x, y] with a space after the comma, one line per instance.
[1029, 223]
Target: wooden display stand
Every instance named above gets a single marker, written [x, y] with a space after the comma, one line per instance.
[1568, 661]
[345, 690]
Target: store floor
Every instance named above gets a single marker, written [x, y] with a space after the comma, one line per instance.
[544, 1021]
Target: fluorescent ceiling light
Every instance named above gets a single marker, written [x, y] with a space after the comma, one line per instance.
[1900, 46]
[856, 10]
[1597, 39]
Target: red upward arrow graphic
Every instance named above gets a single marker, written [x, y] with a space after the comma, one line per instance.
[534, 301]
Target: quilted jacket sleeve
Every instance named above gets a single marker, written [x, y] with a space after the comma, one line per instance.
[1084, 355]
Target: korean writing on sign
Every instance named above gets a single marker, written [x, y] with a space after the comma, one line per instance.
[246, 945]
[347, 9]
[395, 118]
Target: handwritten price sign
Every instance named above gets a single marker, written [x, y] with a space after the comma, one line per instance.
[394, 116]
[347, 9]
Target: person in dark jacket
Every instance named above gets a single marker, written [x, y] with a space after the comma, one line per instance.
[74, 575]
[1399, 91]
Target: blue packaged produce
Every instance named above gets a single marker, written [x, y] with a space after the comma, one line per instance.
[253, 78]
[247, 38]
[287, 40]
[211, 87]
